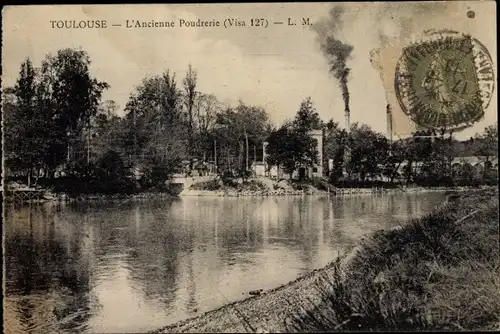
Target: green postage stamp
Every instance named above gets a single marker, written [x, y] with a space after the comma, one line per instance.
[446, 81]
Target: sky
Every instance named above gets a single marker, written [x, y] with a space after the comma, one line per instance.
[275, 67]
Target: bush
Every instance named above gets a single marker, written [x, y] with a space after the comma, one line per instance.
[112, 176]
[353, 183]
[277, 187]
[252, 185]
[299, 185]
[156, 173]
[319, 184]
[107, 176]
[211, 185]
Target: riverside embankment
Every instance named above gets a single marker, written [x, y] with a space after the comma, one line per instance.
[314, 191]
[415, 277]
[210, 187]
[263, 186]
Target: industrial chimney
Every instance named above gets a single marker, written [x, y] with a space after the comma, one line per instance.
[347, 153]
[347, 119]
[389, 122]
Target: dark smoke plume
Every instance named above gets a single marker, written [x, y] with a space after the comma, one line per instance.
[336, 51]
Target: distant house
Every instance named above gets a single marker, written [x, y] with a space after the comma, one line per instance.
[263, 169]
[476, 163]
[259, 168]
[475, 160]
[200, 167]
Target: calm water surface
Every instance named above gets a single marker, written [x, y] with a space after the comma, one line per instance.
[138, 266]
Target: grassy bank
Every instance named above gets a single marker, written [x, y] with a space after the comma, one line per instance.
[440, 272]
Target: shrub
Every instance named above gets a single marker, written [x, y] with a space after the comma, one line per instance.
[211, 185]
[252, 185]
[353, 183]
[319, 183]
[108, 175]
[112, 176]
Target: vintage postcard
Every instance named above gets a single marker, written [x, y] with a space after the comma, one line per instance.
[253, 167]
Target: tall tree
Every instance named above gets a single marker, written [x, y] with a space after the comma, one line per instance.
[237, 131]
[155, 125]
[105, 131]
[52, 106]
[307, 118]
[69, 96]
[418, 149]
[206, 109]
[289, 149]
[22, 124]
[368, 152]
[189, 84]
[334, 144]
[487, 146]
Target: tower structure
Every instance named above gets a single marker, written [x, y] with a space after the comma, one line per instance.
[347, 114]
[389, 123]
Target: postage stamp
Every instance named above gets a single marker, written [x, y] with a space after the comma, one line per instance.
[446, 81]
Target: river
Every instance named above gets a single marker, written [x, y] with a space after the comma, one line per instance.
[137, 266]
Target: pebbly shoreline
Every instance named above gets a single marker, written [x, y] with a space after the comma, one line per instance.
[276, 310]
[337, 192]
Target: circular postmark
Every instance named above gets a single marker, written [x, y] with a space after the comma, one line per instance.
[446, 81]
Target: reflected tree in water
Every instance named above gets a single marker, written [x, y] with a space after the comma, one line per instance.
[41, 262]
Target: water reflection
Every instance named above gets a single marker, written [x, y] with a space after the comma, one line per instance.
[47, 273]
[133, 267]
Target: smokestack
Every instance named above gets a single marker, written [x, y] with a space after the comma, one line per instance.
[347, 114]
[389, 122]
[347, 153]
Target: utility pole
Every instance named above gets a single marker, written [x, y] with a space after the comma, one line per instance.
[389, 122]
[135, 138]
[246, 144]
[68, 155]
[215, 155]
[88, 143]
[264, 144]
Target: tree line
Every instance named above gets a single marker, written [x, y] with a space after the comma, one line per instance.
[58, 130]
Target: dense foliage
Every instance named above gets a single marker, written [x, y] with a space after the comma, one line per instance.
[57, 127]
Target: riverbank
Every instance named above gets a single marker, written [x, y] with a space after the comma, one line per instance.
[315, 191]
[262, 187]
[46, 195]
[64, 198]
[417, 277]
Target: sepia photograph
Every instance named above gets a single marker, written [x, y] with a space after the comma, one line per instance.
[250, 167]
